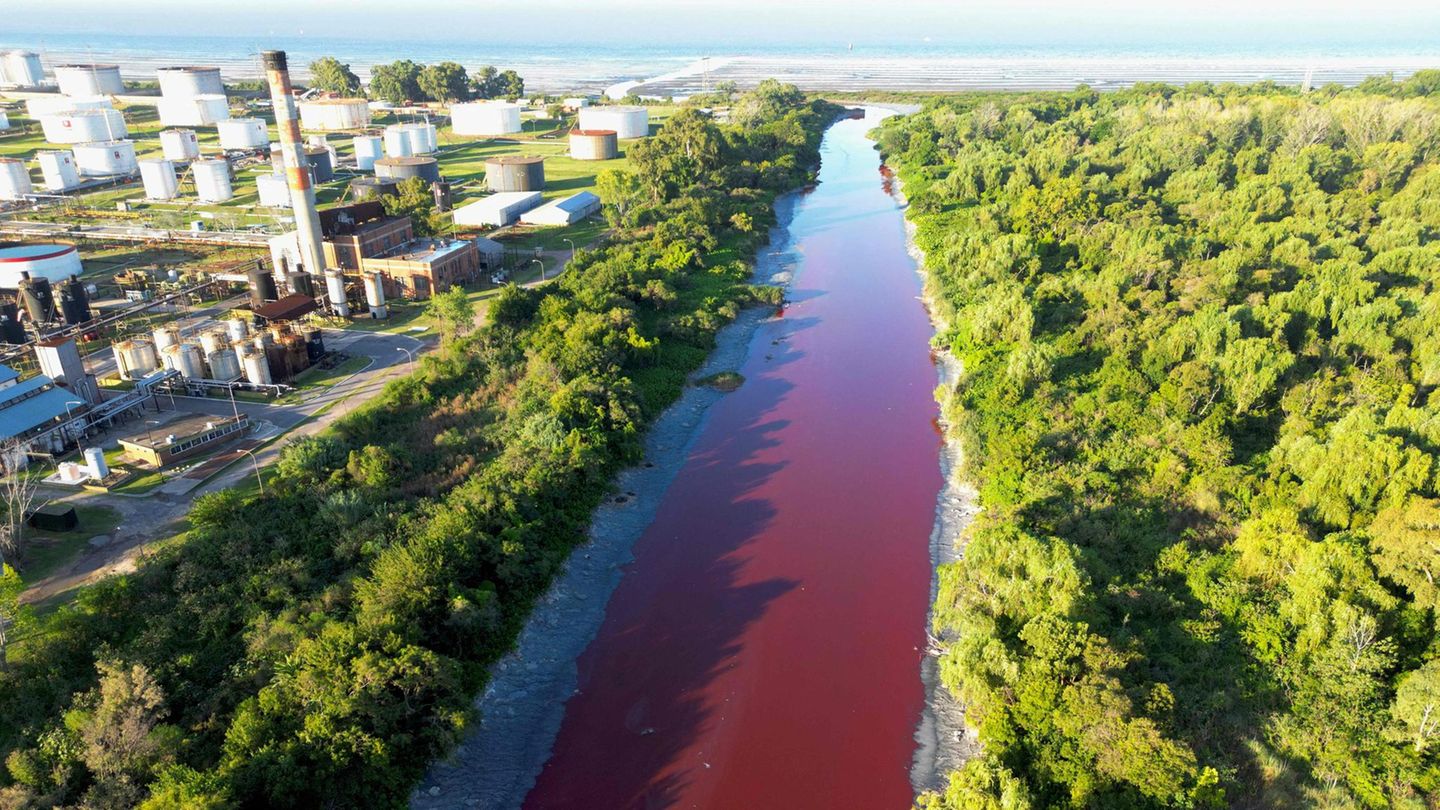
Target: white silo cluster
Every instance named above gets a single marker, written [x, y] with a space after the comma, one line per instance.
[409, 140]
[625, 121]
[14, 179]
[212, 180]
[59, 169]
[191, 96]
[106, 159]
[485, 118]
[158, 175]
[368, 149]
[243, 133]
[21, 69]
[179, 144]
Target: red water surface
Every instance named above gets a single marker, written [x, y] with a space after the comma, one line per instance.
[763, 650]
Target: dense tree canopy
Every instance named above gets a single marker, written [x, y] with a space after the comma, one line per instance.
[319, 645]
[1199, 333]
[333, 76]
[446, 81]
[397, 82]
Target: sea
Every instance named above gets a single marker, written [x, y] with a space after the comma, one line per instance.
[662, 67]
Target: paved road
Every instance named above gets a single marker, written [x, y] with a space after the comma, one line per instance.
[145, 519]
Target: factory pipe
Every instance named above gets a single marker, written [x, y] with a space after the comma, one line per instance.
[297, 166]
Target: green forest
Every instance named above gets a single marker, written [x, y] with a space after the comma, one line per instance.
[318, 645]
[1200, 331]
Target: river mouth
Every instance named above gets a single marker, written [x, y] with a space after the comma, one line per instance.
[766, 631]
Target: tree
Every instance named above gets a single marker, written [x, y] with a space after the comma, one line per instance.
[18, 493]
[333, 76]
[12, 614]
[397, 82]
[622, 195]
[1406, 541]
[492, 83]
[444, 82]
[414, 200]
[1417, 704]
[453, 311]
[121, 732]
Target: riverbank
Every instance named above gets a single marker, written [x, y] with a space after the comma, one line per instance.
[944, 739]
[524, 704]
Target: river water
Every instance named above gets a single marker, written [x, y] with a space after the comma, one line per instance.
[763, 649]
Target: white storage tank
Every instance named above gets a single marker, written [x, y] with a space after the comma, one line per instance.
[14, 179]
[50, 261]
[95, 463]
[188, 81]
[224, 364]
[89, 80]
[4, 121]
[199, 111]
[106, 158]
[135, 358]
[375, 295]
[243, 133]
[212, 179]
[368, 149]
[165, 337]
[397, 141]
[419, 137]
[186, 359]
[256, 367]
[237, 329]
[49, 105]
[273, 191]
[83, 126]
[21, 68]
[485, 118]
[334, 114]
[628, 122]
[214, 340]
[158, 175]
[58, 167]
[179, 144]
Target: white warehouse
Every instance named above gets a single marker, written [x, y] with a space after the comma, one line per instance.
[498, 209]
[570, 210]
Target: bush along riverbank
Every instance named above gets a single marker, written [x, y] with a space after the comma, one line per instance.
[320, 645]
[1198, 338]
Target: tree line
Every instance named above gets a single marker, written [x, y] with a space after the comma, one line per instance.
[1199, 334]
[320, 644]
[404, 81]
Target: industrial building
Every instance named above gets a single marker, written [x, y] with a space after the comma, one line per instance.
[30, 413]
[566, 211]
[183, 439]
[421, 267]
[348, 234]
[497, 210]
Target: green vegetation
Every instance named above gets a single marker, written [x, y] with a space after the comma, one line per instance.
[318, 645]
[333, 76]
[1200, 331]
[405, 81]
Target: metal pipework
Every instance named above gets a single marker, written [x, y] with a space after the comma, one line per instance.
[297, 166]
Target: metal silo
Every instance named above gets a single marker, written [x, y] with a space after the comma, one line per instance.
[255, 367]
[627, 122]
[185, 358]
[224, 364]
[89, 80]
[515, 173]
[11, 330]
[58, 168]
[404, 168]
[273, 191]
[165, 337]
[335, 291]
[334, 114]
[14, 179]
[237, 329]
[594, 144]
[212, 179]
[372, 188]
[74, 302]
[21, 68]
[375, 295]
[485, 118]
[83, 126]
[179, 144]
[188, 81]
[397, 142]
[158, 175]
[320, 166]
[368, 149]
[37, 297]
[242, 133]
[214, 339]
[106, 159]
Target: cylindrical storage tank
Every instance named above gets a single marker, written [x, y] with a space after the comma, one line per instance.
[50, 105]
[11, 330]
[212, 179]
[419, 137]
[224, 364]
[83, 126]
[515, 173]
[333, 114]
[165, 337]
[314, 345]
[320, 167]
[122, 366]
[4, 121]
[297, 353]
[335, 291]
[372, 188]
[21, 68]
[198, 111]
[375, 295]
[95, 463]
[237, 329]
[188, 81]
[74, 302]
[89, 80]
[594, 144]
[368, 149]
[14, 179]
[302, 283]
[273, 190]
[627, 122]
[158, 175]
[135, 358]
[186, 359]
[38, 298]
[485, 118]
[242, 133]
[404, 168]
[255, 367]
[58, 167]
[262, 285]
[50, 261]
[106, 159]
[179, 144]
[214, 339]
[397, 142]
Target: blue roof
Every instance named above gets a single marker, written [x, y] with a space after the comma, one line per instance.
[580, 201]
[7, 374]
[20, 417]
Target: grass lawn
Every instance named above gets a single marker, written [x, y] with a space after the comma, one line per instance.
[317, 377]
[47, 552]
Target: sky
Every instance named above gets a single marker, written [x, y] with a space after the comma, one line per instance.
[714, 23]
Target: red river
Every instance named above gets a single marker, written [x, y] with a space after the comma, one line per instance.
[763, 649]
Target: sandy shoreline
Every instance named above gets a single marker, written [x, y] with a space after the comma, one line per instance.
[522, 708]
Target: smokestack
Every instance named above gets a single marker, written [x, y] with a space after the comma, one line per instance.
[297, 167]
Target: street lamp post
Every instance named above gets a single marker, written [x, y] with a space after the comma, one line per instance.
[256, 463]
[572, 246]
[409, 355]
[542, 269]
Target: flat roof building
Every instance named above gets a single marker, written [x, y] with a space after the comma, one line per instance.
[422, 267]
[570, 210]
[184, 438]
[498, 209]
